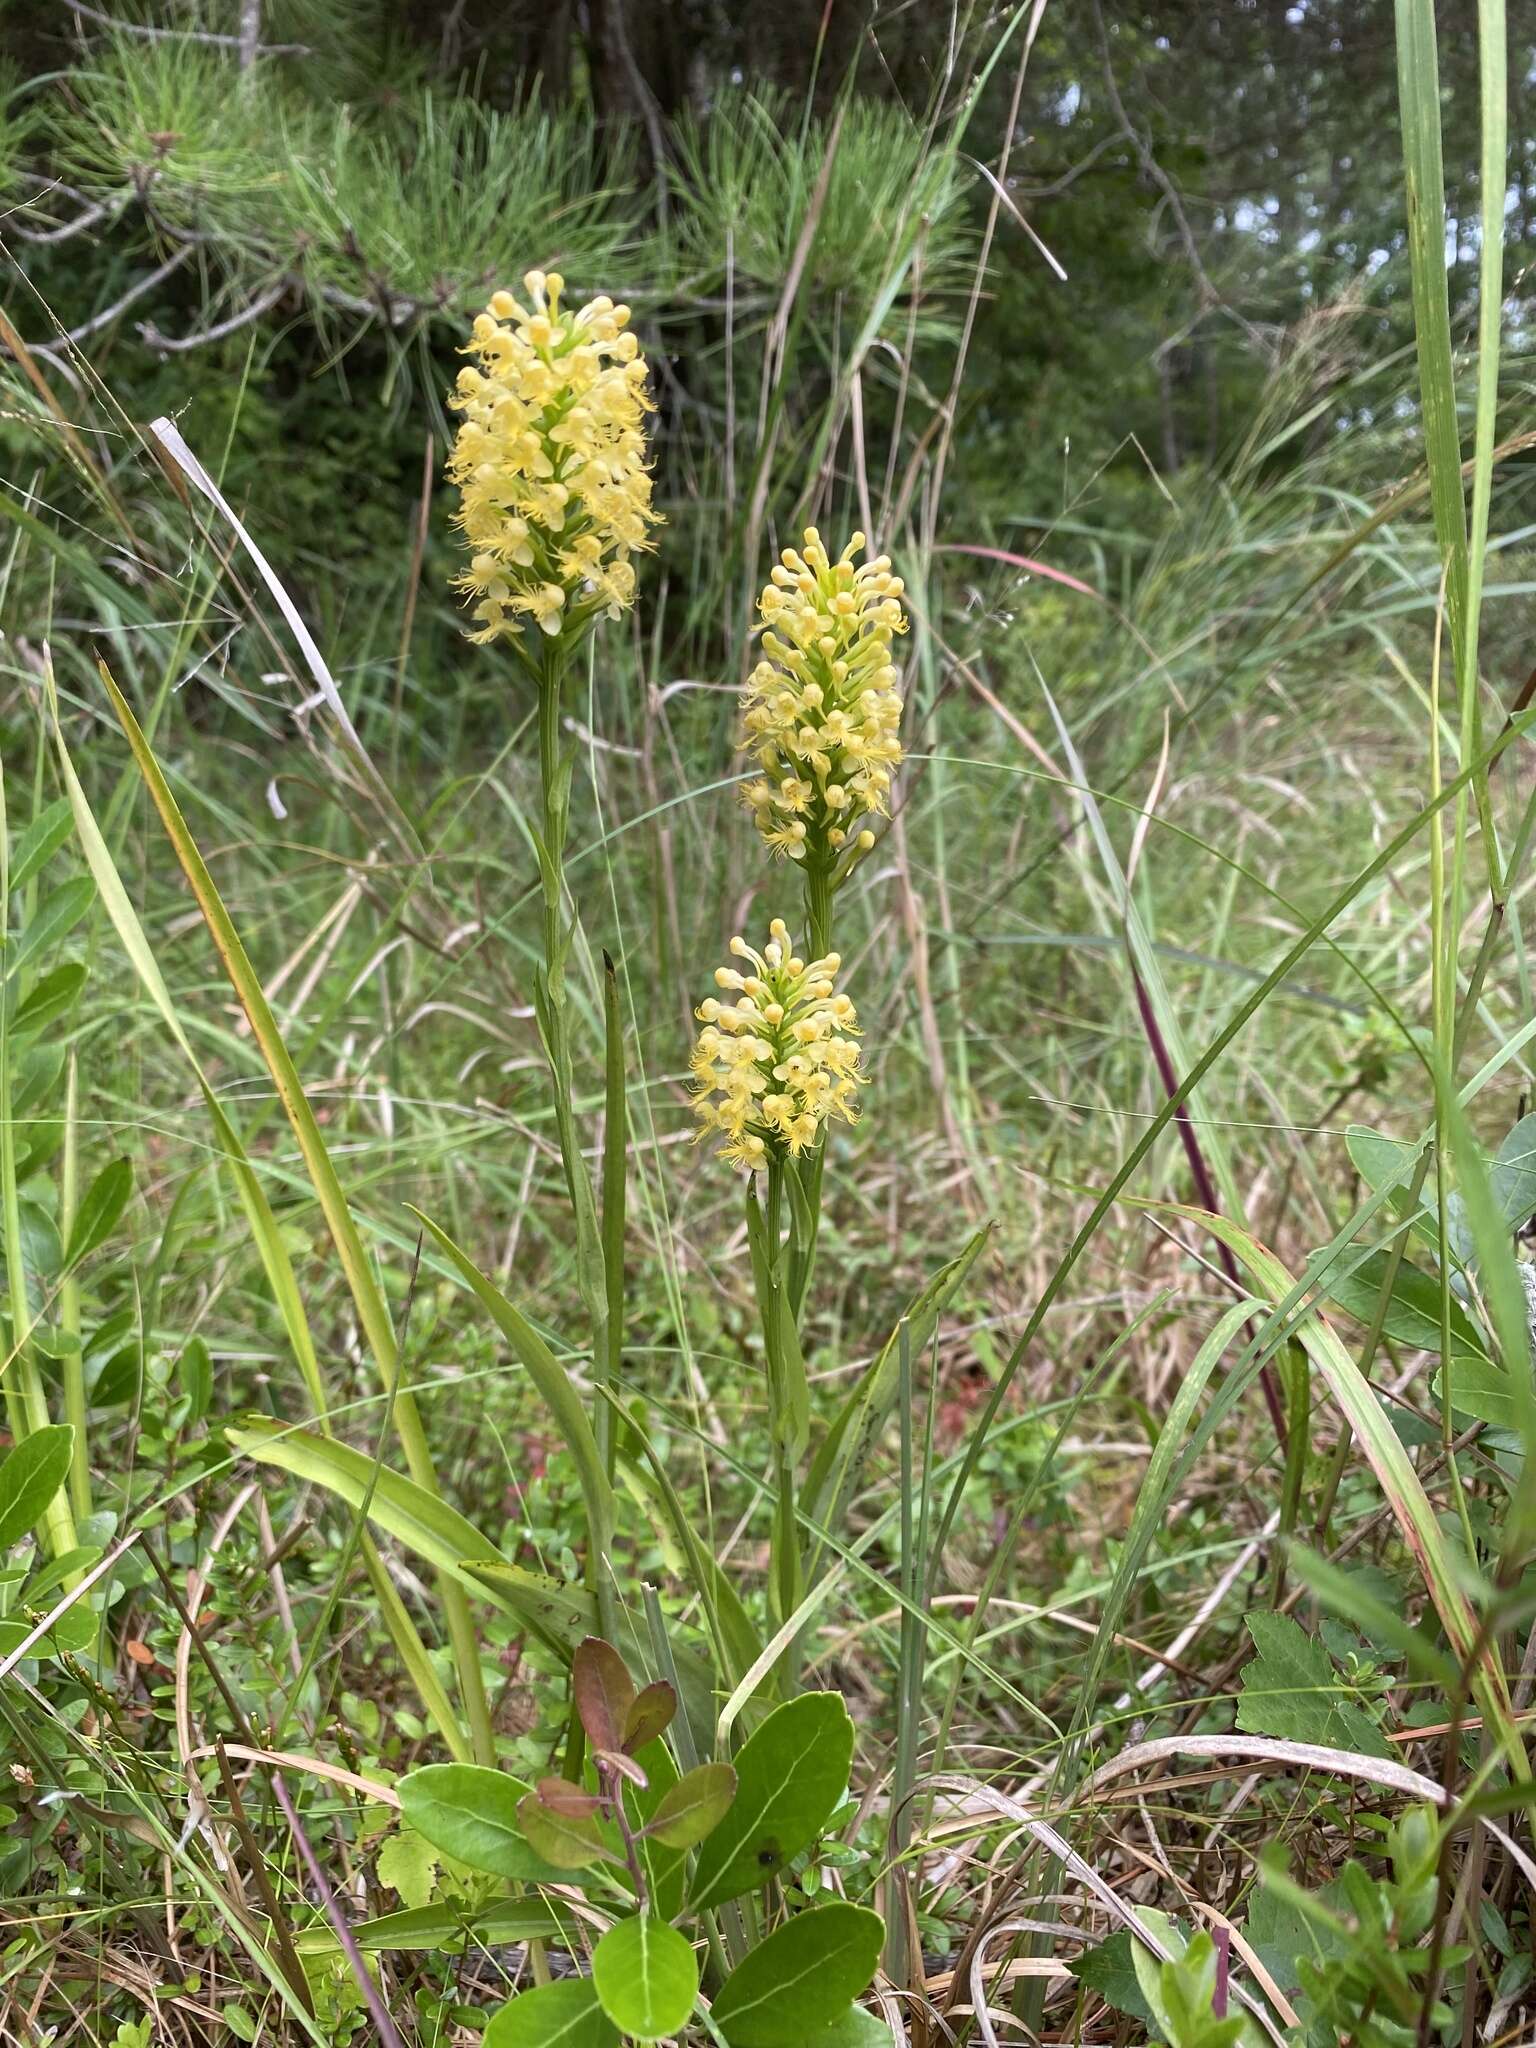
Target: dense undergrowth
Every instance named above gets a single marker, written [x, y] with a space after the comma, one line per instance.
[1184, 1624]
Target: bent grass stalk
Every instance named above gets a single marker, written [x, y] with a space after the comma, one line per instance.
[26, 1402]
[373, 1313]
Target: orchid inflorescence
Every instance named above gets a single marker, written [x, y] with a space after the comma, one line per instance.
[551, 462]
[771, 1067]
[821, 710]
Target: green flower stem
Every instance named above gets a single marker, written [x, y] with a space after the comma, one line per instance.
[819, 889]
[556, 763]
[786, 1533]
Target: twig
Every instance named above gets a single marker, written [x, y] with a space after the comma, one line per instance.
[120, 306]
[388, 2032]
[167, 344]
[184, 35]
[78, 225]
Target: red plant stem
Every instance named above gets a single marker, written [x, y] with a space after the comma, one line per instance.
[389, 2033]
[1205, 1187]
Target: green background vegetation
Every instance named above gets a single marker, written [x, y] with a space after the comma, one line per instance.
[1114, 352]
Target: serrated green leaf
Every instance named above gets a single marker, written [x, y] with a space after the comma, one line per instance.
[1290, 1689]
[646, 1977]
[801, 1979]
[790, 1775]
[1109, 1968]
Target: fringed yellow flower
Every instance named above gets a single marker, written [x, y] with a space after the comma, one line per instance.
[822, 713]
[773, 1065]
[551, 462]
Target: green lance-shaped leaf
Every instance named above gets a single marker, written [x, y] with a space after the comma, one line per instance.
[57, 914]
[447, 1924]
[550, 1378]
[560, 2015]
[30, 1477]
[470, 1812]
[40, 842]
[1399, 1482]
[99, 1212]
[646, 1977]
[418, 1517]
[695, 1806]
[49, 998]
[790, 1775]
[801, 1979]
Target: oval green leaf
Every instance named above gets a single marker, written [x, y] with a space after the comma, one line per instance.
[561, 2015]
[566, 1841]
[646, 1976]
[30, 1477]
[695, 1806]
[801, 1979]
[471, 1813]
[790, 1776]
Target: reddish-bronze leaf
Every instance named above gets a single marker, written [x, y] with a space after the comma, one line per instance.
[604, 1691]
[561, 1796]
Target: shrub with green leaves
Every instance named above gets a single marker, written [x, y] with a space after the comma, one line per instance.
[660, 1849]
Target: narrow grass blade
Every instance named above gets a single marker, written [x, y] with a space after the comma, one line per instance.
[551, 1379]
[372, 1310]
[265, 1234]
[1399, 1482]
[615, 1176]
